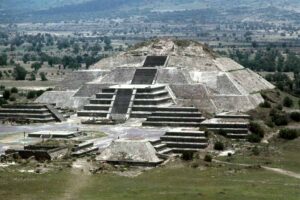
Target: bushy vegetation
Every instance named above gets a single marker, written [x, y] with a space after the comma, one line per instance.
[6, 94]
[295, 116]
[187, 156]
[31, 94]
[19, 73]
[208, 158]
[14, 90]
[219, 146]
[289, 134]
[288, 102]
[257, 132]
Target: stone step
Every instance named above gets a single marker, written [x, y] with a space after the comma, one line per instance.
[97, 107]
[190, 145]
[176, 109]
[155, 141]
[159, 94]
[23, 110]
[136, 114]
[150, 89]
[186, 133]
[175, 119]
[92, 113]
[24, 106]
[159, 146]
[186, 150]
[55, 113]
[152, 101]
[100, 101]
[225, 125]
[183, 139]
[172, 124]
[25, 115]
[108, 90]
[229, 130]
[236, 136]
[183, 114]
[42, 120]
[165, 151]
[104, 95]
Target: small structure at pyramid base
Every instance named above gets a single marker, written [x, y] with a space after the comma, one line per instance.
[130, 152]
[234, 125]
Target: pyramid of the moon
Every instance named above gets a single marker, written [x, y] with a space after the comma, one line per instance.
[161, 73]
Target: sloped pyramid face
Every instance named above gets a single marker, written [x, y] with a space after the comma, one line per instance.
[193, 74]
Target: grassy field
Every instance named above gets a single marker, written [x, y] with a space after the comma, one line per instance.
[174, 183]
[279, 154]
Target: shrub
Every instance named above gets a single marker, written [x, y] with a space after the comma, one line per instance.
[257, 129]
[19, 73]
[281, 120]
[279, 107]
[6, 94]
[43, 76]
[39, 93]
[288, 102]
[222, 132]
[255, 151]
[253, 138]
[12, 98]
[2, 87]
[265, 104]
[219, 146]
[14, 90]
[187, 156]
[208, 158]
[31, 94]
[288, 134]
[2, 101]
[295, 116]
[32, 77]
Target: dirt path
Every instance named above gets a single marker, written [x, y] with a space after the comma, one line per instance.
[276, 170]
[78, 179]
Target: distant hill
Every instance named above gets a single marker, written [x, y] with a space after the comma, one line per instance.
[74, 9]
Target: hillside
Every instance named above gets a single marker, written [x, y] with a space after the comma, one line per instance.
[73, 9]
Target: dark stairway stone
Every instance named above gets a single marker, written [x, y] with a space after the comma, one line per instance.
[155, 61]
[144, 76]
[122, 101]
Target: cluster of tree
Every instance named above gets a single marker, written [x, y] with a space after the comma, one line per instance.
[270, 60]
[285, 83]
[3, 59]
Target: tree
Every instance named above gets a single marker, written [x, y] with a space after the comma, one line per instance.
[14, 90]
[43, 76]
[288, 102]
[19, 73]
[3, 59]
[26, 58]
[6, 94]
[36, 66]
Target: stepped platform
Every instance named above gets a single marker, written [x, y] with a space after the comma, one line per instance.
[174, 117]
[99, 107]
[235, 128]
[185, 141]
[38, 113]
[55, 134]
[160, 147]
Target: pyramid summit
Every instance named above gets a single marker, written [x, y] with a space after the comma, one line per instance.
[160, 73]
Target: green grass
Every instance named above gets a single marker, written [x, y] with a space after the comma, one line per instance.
[279, 154]
[160, 184]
